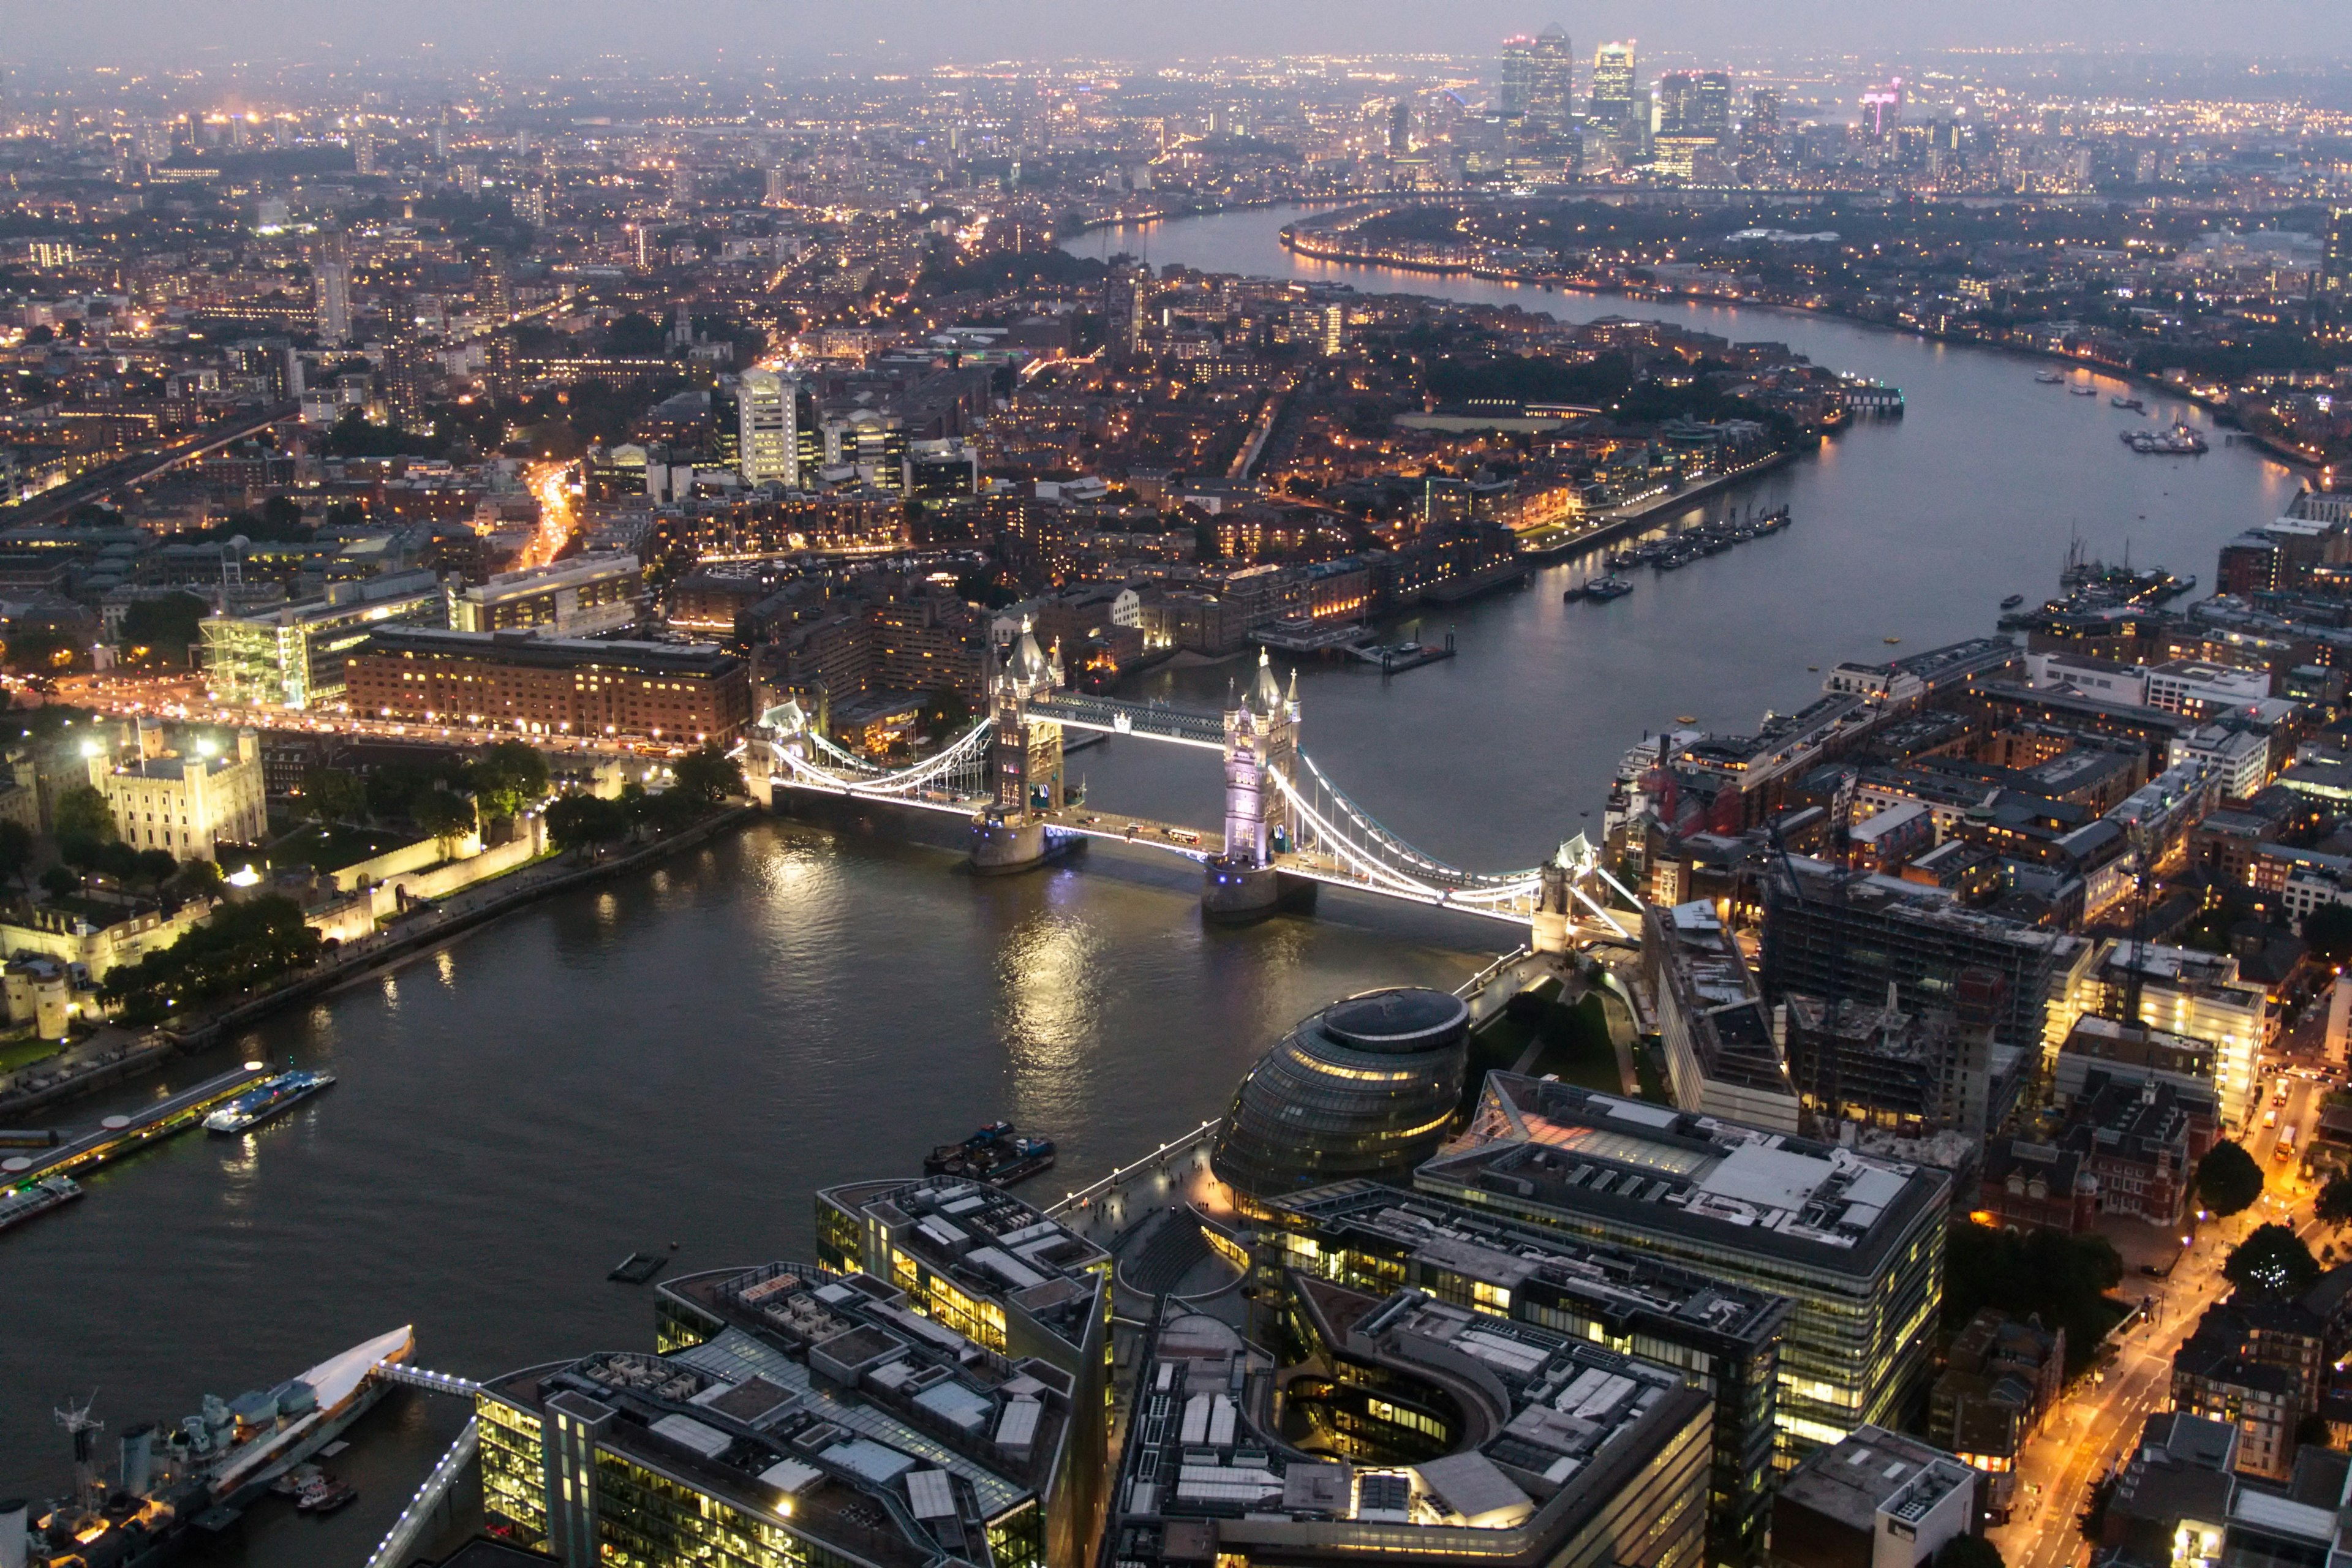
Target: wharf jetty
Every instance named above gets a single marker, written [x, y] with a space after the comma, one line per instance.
[118, 1137]
[1393, 658]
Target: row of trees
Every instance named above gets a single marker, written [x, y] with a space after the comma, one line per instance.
[578, 821]
[447, 799]
[247, 943]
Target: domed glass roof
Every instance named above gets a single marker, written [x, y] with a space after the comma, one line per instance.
[1365, 1088]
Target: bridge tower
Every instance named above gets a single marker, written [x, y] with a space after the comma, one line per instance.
[1553, 919]
[1025, 761]
[1261, 744]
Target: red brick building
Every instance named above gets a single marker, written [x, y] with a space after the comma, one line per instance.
[550, 685]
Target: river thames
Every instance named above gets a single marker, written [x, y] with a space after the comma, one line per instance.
[684, 1056]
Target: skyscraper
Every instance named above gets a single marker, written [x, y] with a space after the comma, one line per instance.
[768, 438]
[1694, 103]
[2336, 262]
[1611, 103]
[1881, 110]
[1711, 105]
[1551, 100]
[1517, 83]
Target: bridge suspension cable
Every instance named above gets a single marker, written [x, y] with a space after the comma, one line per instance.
[1395, 850]
[965, 763]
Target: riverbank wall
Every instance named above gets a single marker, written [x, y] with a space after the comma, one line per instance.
[421, 934]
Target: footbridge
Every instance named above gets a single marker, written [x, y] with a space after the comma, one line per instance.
[1285, 820]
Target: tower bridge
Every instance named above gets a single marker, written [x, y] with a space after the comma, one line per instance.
[1284, 822]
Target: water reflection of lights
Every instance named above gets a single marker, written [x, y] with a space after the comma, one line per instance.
[392, 991]
[447, 968]
[241, 1165]
[1052, 1003]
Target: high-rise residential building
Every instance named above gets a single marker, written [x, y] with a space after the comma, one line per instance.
[530, 205]
[155, 137]
[780, 186]
[1611, 105]
[1759, 132]
[2336, 261]
[1850, 935]
[768, 445]
[1855, 1243]
[333, 279]
[363, 151]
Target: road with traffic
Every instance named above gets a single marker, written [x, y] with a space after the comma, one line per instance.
[2095, 1423]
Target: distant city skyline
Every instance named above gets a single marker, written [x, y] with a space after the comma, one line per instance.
[146, 32]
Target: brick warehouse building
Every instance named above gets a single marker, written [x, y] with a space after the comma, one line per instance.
[550, 685]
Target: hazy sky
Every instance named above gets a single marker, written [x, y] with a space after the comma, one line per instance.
[668, 32]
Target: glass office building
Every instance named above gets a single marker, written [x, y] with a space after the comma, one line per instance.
[1723, 1338]
[1856, 1244]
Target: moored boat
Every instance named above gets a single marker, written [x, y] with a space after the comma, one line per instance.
[995, 1153]
[265, 1100]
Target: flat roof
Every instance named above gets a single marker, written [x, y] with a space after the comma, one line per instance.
[1718, 1183]
[704, 660]
[1481, 1246]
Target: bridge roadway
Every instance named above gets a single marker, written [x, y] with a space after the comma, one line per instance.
[1194, 843]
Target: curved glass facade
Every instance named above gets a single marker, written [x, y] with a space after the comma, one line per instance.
[1363, 1089]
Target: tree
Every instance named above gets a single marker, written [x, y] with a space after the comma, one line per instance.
[2063, 1279]
[82, 813]
[2228, 1179]
[330, 794]
[508, 777]
[59, 883]
[2327, 932]
[447, 818]
[706, 774]
[152, 867]
[243, 945]
[2335, 1204]
[163, 629]
[197, 880]
[16, 851]
[1968, 1551]
[664, 812]
[578, 821]
[2271, 1261]
[946, 712]
[37, 648]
